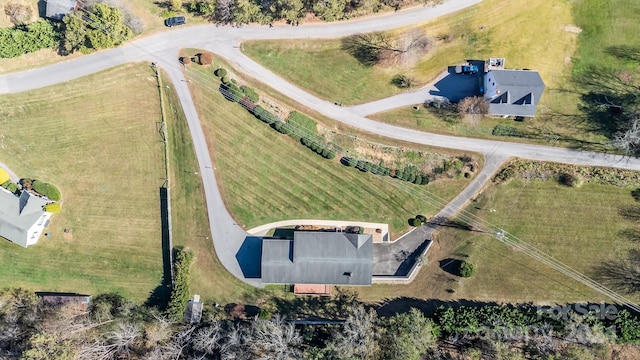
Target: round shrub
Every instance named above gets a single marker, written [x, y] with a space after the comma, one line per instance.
[571, 179]
[418, 180]
[221, 72]
[46, 189]
[350, 162]
[52, 208]
[422, 218]
[415, 222]
[411, 178]
[425, 180]
[466, 269]
[331, 154]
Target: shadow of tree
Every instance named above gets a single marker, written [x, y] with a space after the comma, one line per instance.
[621, 275]
[625, 52]
[361, 47]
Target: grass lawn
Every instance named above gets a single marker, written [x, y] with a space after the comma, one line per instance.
[338, 76]
[266, 176]
[100, 146]
[578, 226]
[190, 222]
[606, 25]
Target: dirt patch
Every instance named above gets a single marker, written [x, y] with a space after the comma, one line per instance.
[625, 352]
[572, 29]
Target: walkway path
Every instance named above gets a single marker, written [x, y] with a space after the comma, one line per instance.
[162, 48]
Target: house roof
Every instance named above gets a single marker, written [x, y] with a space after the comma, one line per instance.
[57, 9]
[519, 92]
[18, 214]
[318, 258]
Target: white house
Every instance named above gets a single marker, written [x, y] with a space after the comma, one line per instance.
[22, 218]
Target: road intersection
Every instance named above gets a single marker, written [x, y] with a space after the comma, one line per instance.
[163, 49]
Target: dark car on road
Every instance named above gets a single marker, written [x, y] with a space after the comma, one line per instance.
[175, 21]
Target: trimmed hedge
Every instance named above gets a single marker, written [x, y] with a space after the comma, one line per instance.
[46, 189]
[52, 208]
[180, 293]
[11, 187]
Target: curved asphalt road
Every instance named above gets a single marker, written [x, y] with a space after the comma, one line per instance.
[163, 49]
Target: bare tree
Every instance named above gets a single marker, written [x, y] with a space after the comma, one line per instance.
[629, 140]
[357, 338]
[18, 14]
[224, 11]
[208, 339]
[274, 339]
[384, 49]
[474, 105]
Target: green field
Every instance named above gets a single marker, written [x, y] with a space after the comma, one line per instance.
[266, 176]
[579, 226]
[322, 67]
[100, 146]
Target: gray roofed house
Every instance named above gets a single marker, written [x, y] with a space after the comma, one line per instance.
[57, 9]
[22, 218]
[313, 257]
[513, 92]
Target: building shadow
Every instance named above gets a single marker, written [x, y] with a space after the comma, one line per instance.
[409, 263]
[161, 295]
[456, 87]
[249, 257]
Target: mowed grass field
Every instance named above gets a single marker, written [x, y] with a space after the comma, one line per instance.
[486, 30]
[578, 226]
[265, 176]
[96, 139]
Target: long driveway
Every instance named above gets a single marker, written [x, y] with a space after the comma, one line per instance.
[163, 48]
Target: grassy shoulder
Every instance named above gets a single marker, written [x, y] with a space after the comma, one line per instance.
[265, 176]
[580, 227]
[323, 67]
[100, 146]
[190, 222]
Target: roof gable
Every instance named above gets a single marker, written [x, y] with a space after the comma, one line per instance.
[517, 92]
[18, 215]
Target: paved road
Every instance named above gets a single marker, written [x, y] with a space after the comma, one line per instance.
[224, 41]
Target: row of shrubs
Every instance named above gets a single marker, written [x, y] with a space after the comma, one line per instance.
[504, 130]
[180, 292]
[297, 126]
[42, 188]
[318, 146]
[408, 173]
[11, 187]
[567, 174]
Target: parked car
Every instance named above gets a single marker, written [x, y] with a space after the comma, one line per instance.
[466, 69]
[175, 21]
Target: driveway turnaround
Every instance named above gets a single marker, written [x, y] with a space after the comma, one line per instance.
[232, 244]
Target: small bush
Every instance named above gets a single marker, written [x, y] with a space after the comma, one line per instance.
[52, 208]
[422, 218]
[415, 222]
[250, 93]
[221, 72]
[224, 81]
[205, 58]
[571, 179]
[348, 161]
[46, 189]
[403, 81]
[232, 92]
[466, 269]
[425, 180]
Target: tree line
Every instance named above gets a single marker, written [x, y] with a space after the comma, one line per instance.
[291, 11]
[95, 25]
[116, 328]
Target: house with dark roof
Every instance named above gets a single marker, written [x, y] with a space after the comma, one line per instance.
[313, 257]
[513, 92]
[22, 218]
[58, 9]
